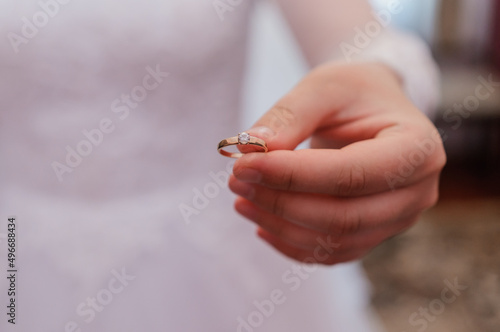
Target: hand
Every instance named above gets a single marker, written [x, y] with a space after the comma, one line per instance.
[373, 166]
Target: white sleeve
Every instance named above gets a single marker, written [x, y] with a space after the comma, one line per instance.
[348, 30]
[410, 57]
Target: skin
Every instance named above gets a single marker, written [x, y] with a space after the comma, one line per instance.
[362, 128]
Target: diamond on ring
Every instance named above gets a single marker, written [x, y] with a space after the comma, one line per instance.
[243, 138]
[251, 144]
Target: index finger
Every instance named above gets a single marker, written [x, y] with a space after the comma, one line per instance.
[391, 160]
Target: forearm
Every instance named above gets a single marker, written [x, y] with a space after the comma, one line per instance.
[347, 31]
[321, 25]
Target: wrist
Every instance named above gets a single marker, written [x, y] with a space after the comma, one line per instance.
[363, 77]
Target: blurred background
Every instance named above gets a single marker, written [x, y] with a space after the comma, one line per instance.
[456, 245]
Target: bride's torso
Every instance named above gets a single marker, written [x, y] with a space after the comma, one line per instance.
[160, 81]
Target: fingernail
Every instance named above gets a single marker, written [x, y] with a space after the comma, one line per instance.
[249, 175]
[262, 132]
[245, 190]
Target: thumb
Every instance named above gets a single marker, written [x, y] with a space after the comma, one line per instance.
[297, 115]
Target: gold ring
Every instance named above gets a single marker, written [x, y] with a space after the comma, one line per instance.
[246, 144]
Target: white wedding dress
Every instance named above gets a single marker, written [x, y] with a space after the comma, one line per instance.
[110, 115]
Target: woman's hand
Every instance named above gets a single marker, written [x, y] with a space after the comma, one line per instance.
[373, 168]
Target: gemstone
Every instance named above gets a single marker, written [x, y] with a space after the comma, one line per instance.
[243, 138]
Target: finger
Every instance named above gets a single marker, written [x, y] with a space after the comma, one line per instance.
[294, 234]
[316, 256]
[337, 215]
[323, 93]
[308, 239]
[388, 162]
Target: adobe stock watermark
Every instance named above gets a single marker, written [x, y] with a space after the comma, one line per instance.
[202, 196]
[409, 164]
[363, 37]
[292, 279]
[278, 118]
[222, 7]
[121, 107]
[460, 111]
[424, 316]
[31, 27]
[92, 306]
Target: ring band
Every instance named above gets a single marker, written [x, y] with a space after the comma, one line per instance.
[242, 139]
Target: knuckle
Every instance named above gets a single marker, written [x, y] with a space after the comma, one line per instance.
[278, 205]
[352, 179]
[348, 221]
[351, 221]
[285, 180]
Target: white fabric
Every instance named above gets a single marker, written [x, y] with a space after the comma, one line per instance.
[411, 59]
[118, 211]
